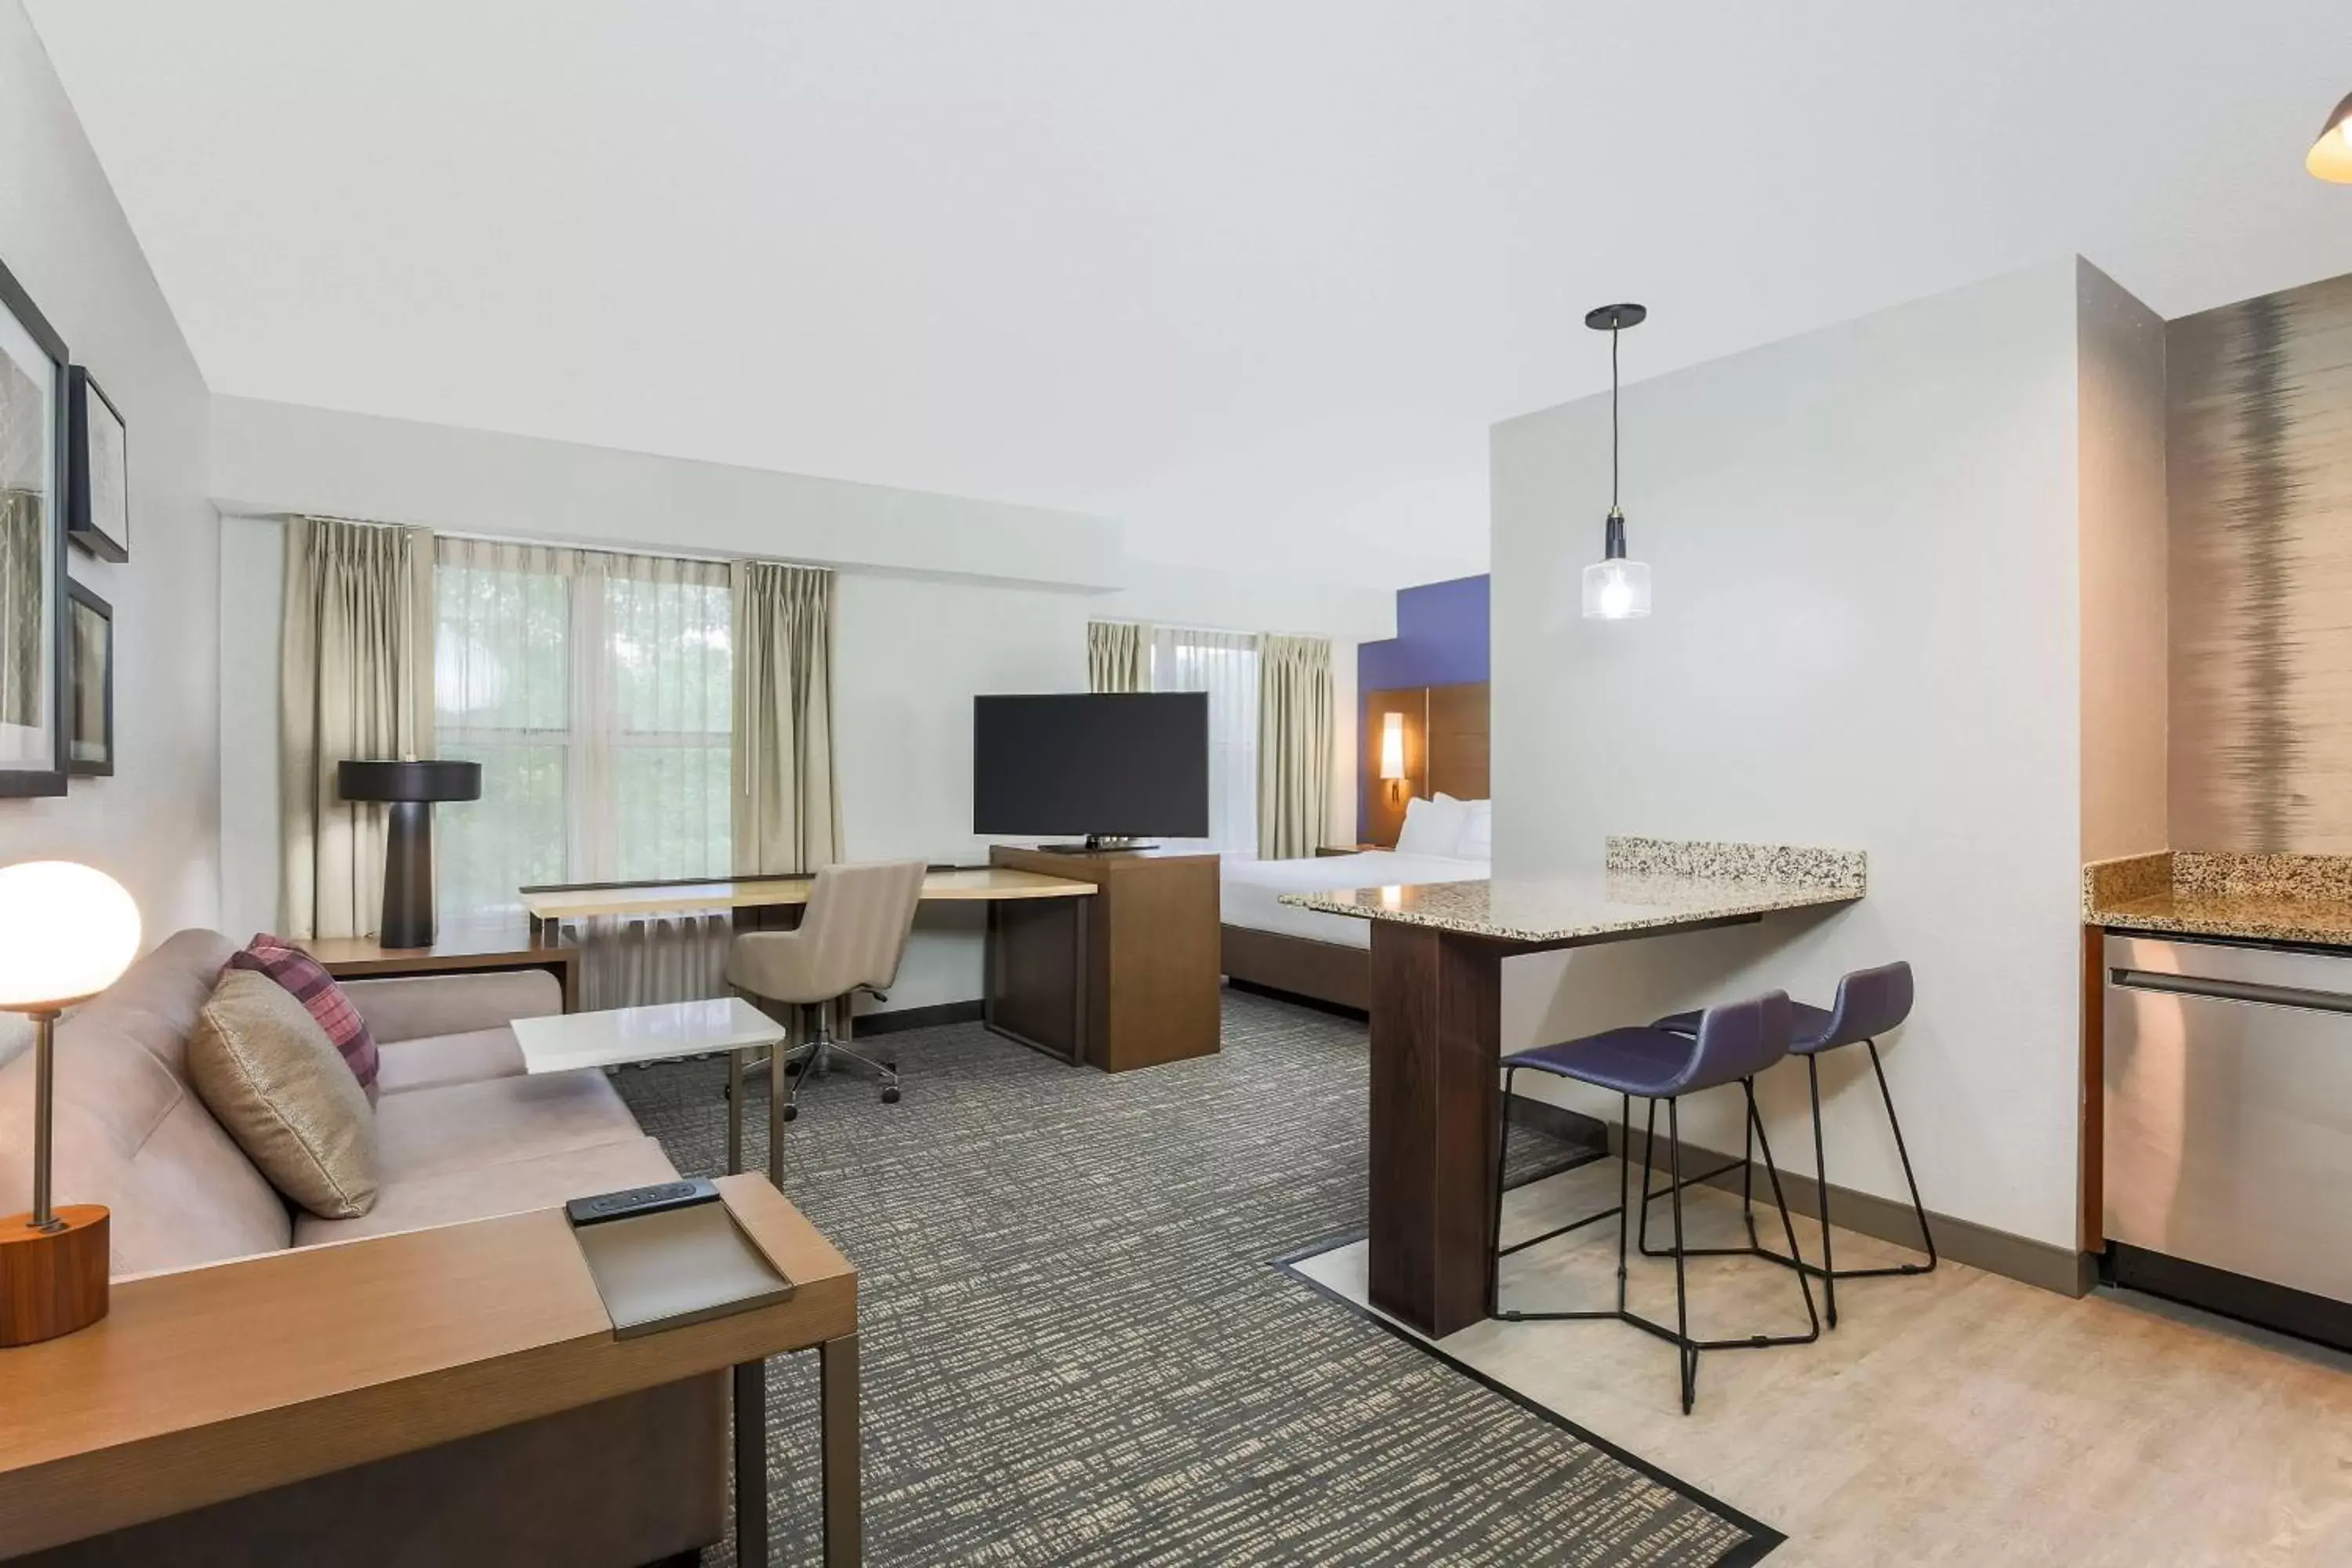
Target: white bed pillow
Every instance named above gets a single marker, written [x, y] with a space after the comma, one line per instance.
[1477, 840]
[1433, 826]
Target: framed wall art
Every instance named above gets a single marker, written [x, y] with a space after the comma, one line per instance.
[98, 488]
[34, 464]
[89, 683]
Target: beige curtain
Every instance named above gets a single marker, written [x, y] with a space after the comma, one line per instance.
[787, 811]
[1294, 745]
[356, 682]
[1119, 656]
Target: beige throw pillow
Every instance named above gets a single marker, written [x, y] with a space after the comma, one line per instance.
[272, 1076]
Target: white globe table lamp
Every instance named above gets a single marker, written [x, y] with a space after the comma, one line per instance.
[66, 933]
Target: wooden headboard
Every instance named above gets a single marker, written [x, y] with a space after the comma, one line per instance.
[1445, 752]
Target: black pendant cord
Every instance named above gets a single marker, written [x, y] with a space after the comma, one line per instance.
[1613, 320]
[1612, 420]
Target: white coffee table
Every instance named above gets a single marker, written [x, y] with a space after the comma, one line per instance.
[568, 1042]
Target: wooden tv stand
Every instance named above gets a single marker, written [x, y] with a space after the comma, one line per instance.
[1140, 986]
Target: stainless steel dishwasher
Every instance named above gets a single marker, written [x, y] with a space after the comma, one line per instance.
[2228, 1176]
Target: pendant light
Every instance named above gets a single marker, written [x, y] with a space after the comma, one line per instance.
[2331, 156]
[1615, 589]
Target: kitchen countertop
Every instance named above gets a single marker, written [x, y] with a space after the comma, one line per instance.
[1644, 884]
[2258, 897]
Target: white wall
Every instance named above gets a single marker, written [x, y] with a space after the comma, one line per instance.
[280, 459]
[2126, 556]
[1864, 542]
[1000, 606]
[909, 657]
[154, 824]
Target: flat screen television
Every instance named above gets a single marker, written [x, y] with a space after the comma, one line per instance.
[1110, 765]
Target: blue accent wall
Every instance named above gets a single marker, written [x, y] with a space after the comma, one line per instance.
[1442, 640]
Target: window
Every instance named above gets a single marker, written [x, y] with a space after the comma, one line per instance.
[1224, 665]
[596, 690]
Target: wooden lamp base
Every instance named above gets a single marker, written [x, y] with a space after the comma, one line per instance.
[52, 1283]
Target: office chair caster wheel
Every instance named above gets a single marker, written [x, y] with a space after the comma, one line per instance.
[792, 1113]
[890, 1095]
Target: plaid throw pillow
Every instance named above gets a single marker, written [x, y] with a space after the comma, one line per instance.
[316, 989]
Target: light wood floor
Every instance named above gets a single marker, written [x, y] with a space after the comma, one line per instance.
[1957, 1417]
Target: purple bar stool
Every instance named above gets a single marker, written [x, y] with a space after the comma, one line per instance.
[1869, 1002]
[1730, 1045]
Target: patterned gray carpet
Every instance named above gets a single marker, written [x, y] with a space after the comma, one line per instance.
[1077, 1348]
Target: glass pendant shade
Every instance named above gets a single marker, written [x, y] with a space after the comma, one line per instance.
[1616, 590]
[2331, 156]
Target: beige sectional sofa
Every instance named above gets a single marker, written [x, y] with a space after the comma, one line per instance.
[463, 1134]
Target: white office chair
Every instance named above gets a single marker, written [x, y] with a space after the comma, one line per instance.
[850, 938]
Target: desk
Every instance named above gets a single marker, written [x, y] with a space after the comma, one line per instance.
[1063, 1030]
[1437, 984]
[215, 1382]
[551, 907]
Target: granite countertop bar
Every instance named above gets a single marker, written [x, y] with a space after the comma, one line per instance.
[2257, 898]
[1644, 883]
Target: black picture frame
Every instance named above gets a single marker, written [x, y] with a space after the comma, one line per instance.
[41, 771]
[89, 756]
[98, 488]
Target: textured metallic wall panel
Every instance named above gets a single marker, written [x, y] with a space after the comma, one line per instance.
[2259, 429]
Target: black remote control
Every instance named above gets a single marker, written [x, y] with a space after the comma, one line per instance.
[631, 1202]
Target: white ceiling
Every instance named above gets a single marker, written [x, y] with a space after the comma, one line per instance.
[1252, 275]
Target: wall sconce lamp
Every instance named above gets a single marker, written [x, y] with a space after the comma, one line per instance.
[1392, 751]
[2330, 157]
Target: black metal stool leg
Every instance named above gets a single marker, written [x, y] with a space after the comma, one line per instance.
[1649, 1140]
[1624, 1170]
[1743, 1165]
[1685, 1353]
[1821, 1180]
[1918, 1209]
[1823, 1270]
[1788, 1225]
[1495, 1229]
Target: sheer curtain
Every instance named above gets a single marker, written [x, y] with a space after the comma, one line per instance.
[1224, 665]
[596, 690]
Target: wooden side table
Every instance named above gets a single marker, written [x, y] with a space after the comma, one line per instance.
[211, 1384]
[460, 949]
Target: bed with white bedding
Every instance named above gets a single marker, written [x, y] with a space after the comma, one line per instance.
[1275, 946]
[1252, 890]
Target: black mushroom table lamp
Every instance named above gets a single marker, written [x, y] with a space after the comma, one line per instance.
[412, 787]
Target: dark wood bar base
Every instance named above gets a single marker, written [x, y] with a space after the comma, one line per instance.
[1436, 1095]
[1436, 1028]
